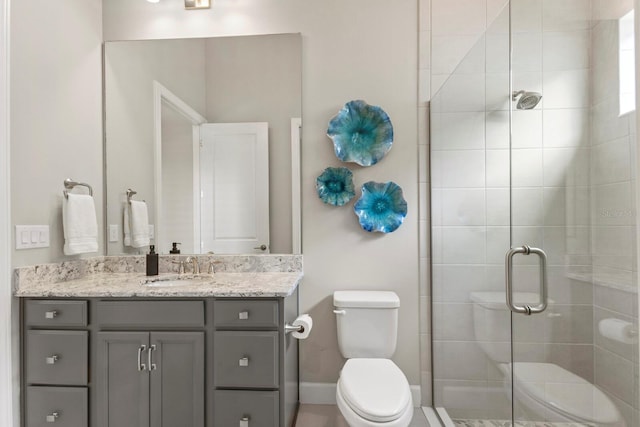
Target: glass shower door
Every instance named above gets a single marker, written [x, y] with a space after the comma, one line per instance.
[573, 289]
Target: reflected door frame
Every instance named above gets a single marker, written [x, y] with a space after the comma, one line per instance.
[163, 96]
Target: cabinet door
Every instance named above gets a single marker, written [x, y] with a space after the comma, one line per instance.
[177, 379]
[122, 379]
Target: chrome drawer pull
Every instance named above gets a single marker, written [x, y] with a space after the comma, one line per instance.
[141, 366]
[51, 314]
[244, 422]
[243, 315]
[244, 361]
[152, 366]
[51, 418]
[51, 360]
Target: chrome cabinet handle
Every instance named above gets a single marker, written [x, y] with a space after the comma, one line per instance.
[243, 315]
[51, 314]
[141, 366]
[244, 422]
[261, 247]
[51, 360]
[152, 366]
[243, 362]
[526, 309]
[51, 418]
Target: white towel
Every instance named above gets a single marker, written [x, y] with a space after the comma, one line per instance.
[136, 224]
[80, 224]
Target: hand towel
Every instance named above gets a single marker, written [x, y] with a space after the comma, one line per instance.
[80, 224]
[136, 224]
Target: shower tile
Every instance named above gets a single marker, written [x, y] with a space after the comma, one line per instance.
[497, 168]
[458, 16]
[455, 283]
[554, 205]
[497, 129]
[525, 235]
[497, 244]
[461, 169]
[458, 131]
[436, 244]
[563, 15]
[576, 358]
[526, 167]
[497, 98]
[463, 206]
[463, 245]
[564, 290]
[526, 206]
[565, 167]
[457, 360]
[463, 398]
[615, 300]
[497, 47]
[571, 324]
[527, 52]
[498, 206]
[614, 374]
[425, 316]
[436, 206]
[447, 51]
[565, 128]
[607, 125]
[566, 50]
[453, 322]
[614, 204]
[464, 92]
[526, 16]
[566, 89]
[612, 162]
[615, 245]
[555, 245]
[527, 129]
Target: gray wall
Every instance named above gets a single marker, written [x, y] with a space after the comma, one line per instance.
[56, 113]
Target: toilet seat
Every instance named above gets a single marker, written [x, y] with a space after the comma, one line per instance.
[564, 393]
[375, 390]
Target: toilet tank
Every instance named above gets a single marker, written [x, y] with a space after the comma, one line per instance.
[367, 323]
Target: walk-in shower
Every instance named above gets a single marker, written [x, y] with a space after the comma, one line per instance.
[552, 189]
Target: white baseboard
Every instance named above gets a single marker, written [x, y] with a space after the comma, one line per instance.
[325, 393]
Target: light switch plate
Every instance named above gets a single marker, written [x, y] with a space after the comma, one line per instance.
[32, 236]
[113, 232]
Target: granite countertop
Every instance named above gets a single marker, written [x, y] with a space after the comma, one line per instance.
[262, 284]
[261, 276]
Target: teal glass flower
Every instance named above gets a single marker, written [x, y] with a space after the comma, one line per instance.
[335, 186]
[381, 207]
[361, 133]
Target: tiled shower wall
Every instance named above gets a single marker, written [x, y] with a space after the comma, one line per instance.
[572, 188]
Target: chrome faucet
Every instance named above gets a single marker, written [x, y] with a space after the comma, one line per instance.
[194, 261]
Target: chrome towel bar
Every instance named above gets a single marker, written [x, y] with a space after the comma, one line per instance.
[69, 184]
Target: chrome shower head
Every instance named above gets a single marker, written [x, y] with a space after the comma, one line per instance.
[527, 101]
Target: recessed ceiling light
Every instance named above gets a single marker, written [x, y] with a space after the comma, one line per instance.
[153, 1]
[197, 4]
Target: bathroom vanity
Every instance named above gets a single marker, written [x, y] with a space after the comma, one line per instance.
[109, 350]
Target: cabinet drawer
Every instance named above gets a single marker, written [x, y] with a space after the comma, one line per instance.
[68, 403]
[57, 357]
[258, 408]
[53, 313]
[238, 314]
[246, 359]
[163, 314]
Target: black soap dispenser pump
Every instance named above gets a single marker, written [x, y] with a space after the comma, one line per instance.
[152, 262]
[174, 248]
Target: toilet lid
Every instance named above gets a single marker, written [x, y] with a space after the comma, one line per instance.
[564, 391]
[376, 389]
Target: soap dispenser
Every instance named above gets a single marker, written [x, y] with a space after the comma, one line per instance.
[174, 249]
[152, 262]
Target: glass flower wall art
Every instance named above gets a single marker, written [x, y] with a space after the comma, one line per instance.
[381, 208]
[335, 186]
[361, 133]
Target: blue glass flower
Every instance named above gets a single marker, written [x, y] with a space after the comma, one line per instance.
[381, 207]
[361, 133]
[335, 186]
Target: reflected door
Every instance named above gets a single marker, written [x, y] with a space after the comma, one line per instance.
[234, 188]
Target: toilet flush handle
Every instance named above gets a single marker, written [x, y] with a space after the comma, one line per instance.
[340, 311]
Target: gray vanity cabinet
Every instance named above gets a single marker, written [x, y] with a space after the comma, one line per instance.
[150, 379]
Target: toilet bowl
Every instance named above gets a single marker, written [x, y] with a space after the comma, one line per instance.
[545, 391]
[372, 391]
[557, 395]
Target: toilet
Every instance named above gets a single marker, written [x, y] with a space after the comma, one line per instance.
[372, 391]
[545, 391]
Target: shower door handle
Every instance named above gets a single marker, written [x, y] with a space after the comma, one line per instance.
[526, 309]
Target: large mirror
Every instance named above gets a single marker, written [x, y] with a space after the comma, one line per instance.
[206, 132]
